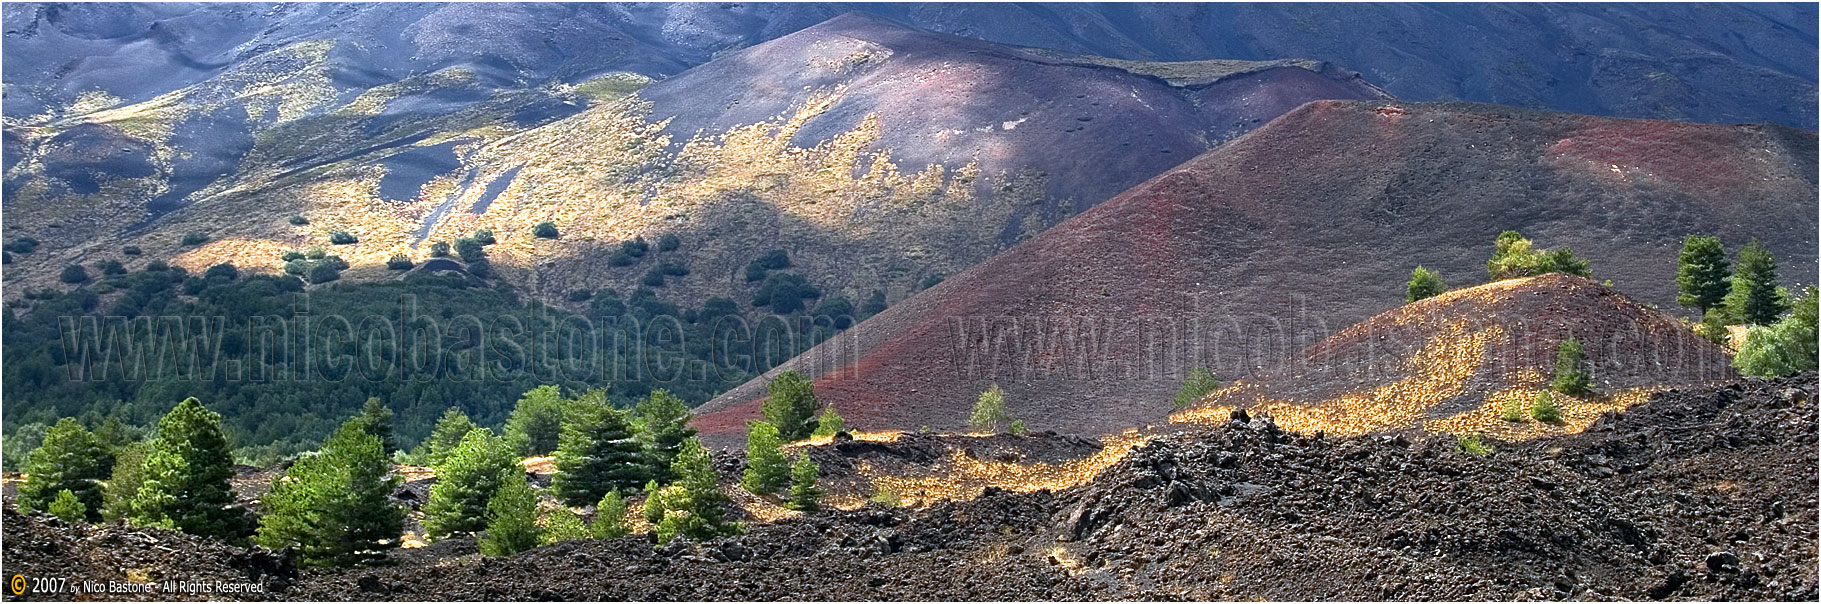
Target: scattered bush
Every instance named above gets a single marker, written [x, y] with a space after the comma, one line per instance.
[439, 249]
[886, 496]
[837, 310]
[469, 250]
[1197, 386]
[580, 295]
[341, 237]
[1474, 444]
[484, 237]
[874, 304]
[73, 274]
[1018, 428]
[290, 255]
[989, 410]
[563, 525]
[315, 253]
[544, 230]
[669, 242]
[221, 272]
[769, 261]
[298, 220]
[322, 272]
[1514, 257]
[1424, 283]
[399, 262]
[481, 269]
[784, 293]
[195, 238]
[22, 245]
[131, 250]
[1571, 375]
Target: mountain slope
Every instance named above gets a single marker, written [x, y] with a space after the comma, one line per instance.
[1255, 250]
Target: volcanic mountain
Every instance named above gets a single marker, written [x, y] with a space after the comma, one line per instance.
[882, 156]
[1241, 257]
[1457, 361]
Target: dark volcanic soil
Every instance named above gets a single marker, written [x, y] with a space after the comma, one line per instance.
[1705, 494]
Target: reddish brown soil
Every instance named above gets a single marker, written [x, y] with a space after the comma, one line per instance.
[1248, 254]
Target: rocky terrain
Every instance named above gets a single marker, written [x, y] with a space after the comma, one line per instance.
[1700, 494]
[1262, 247]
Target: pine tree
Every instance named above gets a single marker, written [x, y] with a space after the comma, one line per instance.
[446, 436]
[597, 452]
[1198, 385]
[1424, 283]
[830, 422]
[1570, 368]
[1018, 428]
[68, 459]
[1713, 326]
[989, 410]
[563, 525]
[1545, 409]
[186, 477]
[767, 469]
[695, 507]
[67, 508]
[1753, 296]
[123, 484]
[466, 481]
[662, 422]
[610, 517]
[1513, 411]
[511, 520]
[536, 423]
[791, 405]
[804, 496]
[1702, 273]
[336, 506]
[376, 419]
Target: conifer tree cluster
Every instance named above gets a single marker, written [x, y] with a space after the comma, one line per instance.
[336, 506]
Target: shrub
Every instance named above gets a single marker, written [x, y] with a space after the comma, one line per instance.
[298, 220]
[511, 520]
[336, 507]
[1571, 375]
[1424, 283]
[837, 310]
[1197, 386]
[874, 304]
[1474, 444]
[341, 237]
[610, 517]
[1513, 411]
[1753, 295]
[804, 496]
[773, 260]
[466, 482]
[829, 423]
[767, 469]
[545, 230]
[931, 281]
[481, 269]
[1787, 347]
[157, 266]
[484, 237]
[399, 262]
[186, 476]
[596, 453]
[322, 272]
[73, 274]
[884, 495]
[536, 422]
[1702, 274]
[131, 250]
[1513, 256]
[22, 245]
[290, 255]
[669, 242]
[581, 295]
[439, 249]
[1018, 428]
[784, 293]
[69, 459]
[221, 272]
[195, 238]
[563, 525]
[790, 405]
[469, 250]
[1713, 326]
[315, 253]
[653, 278]
[1545, 409]
[66, 507]
[989, 410]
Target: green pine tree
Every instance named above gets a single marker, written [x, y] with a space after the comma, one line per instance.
[610, 517]
[336, 506]
[186, 477]
[68, 459]
[563, 525]
[597, 452]
[1753, 295]
[791, 405]
[1197, 386]
[767, 469]
[66, 507]
[123, 484]
[989, 411]
[536, 423]
[466, 481]
[1713, 326]
[804, 496]
[694, 508]
[1571, 375]
[376, 419]
[830, 422]
[1702, 273]
[1424, 283]
[511, 520]
[446, 436]
[1513, 411]
[1545, 409]
[662, 421]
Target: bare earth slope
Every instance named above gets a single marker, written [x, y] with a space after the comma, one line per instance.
[1250, 253]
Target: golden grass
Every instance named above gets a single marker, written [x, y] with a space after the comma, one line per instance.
[959, 477]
